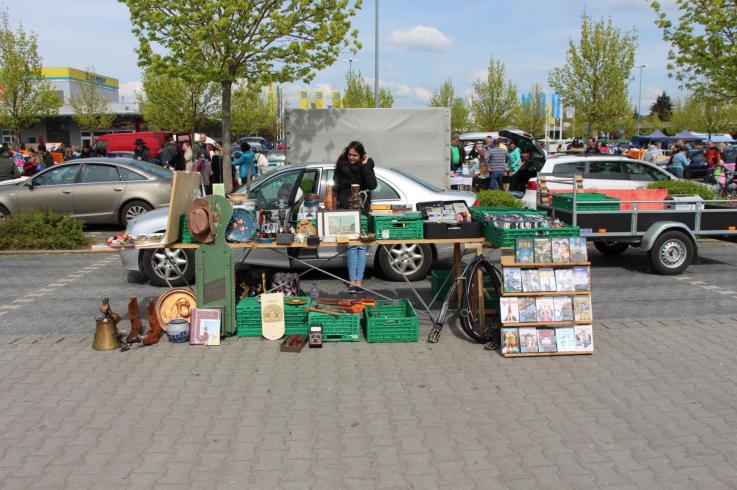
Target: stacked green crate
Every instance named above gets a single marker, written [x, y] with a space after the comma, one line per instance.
[586, 201]
[344, 327]
[399, 227]
[437, 283]
[392, 321]
[507, 237]
[184, 229]
[248, 317]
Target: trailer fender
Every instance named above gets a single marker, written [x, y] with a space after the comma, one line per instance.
[657, 229]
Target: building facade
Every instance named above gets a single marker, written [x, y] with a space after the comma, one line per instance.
[67, 83]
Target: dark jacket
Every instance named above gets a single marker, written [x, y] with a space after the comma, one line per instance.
[48, 160]
[347, 174]
[8, 169]
[143, 154]
[167, 154]
[200, 150]
[592, 151]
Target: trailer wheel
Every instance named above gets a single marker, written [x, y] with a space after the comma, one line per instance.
[611, 248]
[672, 253]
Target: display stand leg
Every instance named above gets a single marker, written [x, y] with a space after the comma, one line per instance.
[480, 289]
[417, 295]
[457, 271]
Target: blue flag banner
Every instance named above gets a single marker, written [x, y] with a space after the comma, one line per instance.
[556, 106]
[526, 98]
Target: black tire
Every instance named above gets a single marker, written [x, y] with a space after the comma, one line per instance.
[157, 268]
[133, 209]
[412, 261]
[4, 213]
[611, 248]
[672, 253]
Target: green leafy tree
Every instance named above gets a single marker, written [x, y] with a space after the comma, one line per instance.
[494, 101]
[703, 55]
[596, 74]
[697, 112]
[358, 93]
[178, 104]
[259, 41]
[531, 116]
[91, 109]
[254, 112]
[662, 107]
[25, 98]
[460, 113]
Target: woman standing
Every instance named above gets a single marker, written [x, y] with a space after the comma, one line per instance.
[354, 167]
[679, 163]
[188, 156]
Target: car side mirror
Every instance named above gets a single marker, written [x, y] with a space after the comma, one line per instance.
[29, 184]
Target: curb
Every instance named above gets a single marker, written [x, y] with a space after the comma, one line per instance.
[48, 252]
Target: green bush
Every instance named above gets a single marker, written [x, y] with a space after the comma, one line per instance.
[498, 199]
[41, 230]
[683, 187]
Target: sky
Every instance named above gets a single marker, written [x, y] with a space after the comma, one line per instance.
[421, 42]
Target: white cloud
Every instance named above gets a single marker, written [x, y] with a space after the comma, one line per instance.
[420, 38]
[128, 90]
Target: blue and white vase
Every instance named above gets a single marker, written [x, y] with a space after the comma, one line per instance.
[178, 330]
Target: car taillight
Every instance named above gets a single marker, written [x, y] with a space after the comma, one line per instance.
[475, 203]
[532, 184]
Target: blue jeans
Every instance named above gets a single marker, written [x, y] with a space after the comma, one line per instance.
[356, 262]
[496, 179]
[677, 171]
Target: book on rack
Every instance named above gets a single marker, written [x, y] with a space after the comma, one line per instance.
[543, 250]
[528, 339]
[509, 310]
[523, 251]
[563, 308]
[530, 281]
[547, 279]
[564, 280]
[578, 249]
[527, 310]
[584, 338]
[510, 340]
[546, 340]
[565, 339]
[582, 278]
[545, 309]
[512, 280]
[582, 308]
[561, 250]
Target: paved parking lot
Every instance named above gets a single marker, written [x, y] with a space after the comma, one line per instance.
[654, 407]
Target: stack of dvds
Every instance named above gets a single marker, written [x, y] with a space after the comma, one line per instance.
[546, 299]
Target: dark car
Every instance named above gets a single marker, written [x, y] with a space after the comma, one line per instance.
[696, 164]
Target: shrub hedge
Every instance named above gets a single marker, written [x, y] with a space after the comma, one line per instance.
[41, 230]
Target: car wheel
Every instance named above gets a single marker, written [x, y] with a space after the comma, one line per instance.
[4, 213]
[168, 264]
[611, 248]
[411, 261]
[132, 210]
[672, 253]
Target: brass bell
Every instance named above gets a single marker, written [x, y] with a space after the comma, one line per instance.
[106, 334]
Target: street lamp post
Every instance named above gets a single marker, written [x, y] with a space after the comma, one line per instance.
[639, 99]
[350, 65]
[376, 56]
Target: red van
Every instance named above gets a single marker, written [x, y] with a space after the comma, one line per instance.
[114, 142]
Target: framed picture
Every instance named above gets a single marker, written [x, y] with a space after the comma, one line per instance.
[204, 328]
[339, 223]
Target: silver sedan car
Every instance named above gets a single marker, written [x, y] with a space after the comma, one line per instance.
[393, 187]
[95, 190]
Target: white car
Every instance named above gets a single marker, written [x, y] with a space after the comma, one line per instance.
[599, 171]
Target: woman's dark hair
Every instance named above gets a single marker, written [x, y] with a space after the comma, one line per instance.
[353, 145]
[245, 147]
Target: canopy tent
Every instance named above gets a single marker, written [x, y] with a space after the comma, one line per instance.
[685, 136]
[716, 138]
[656, 135]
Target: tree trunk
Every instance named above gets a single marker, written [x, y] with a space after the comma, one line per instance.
[227, 168]
[17, 139]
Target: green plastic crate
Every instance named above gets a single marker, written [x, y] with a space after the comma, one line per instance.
[586, 201]
[248, 317]
[401, 227]
[477, 212]
[507, 237]
[392, 321]
[184, 229]
[342, 328]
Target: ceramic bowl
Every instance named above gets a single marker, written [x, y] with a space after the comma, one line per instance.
[178, 330]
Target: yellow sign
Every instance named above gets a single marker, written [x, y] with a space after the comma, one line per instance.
[319, 99]
[66, 73]
[337, 101]
[304, 99]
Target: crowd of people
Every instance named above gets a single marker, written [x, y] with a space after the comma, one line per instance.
[490, 161]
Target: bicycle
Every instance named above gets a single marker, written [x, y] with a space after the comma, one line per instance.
[478, 330]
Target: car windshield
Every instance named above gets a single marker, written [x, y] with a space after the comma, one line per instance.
[417, 180]
[160, 172]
